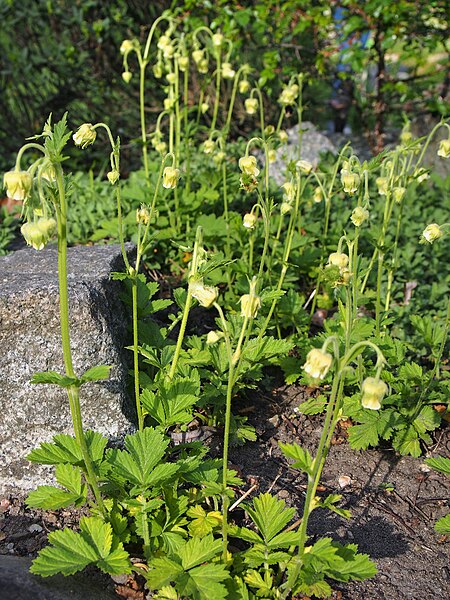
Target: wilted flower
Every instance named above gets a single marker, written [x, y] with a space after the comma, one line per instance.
[288, 95]
[398, 193]
[170, 177]
[209, 146]
[432, 233]
[373, 391]
[204, 294]
[85, 135]
[244, 86]
[18, 184]
[283, 136]
[317, 363]
[227, 71]
[444, 148]
[113, 176]
[214, 336]
[304, 166]
[382, 185]
[143, 215]
[126, 76]
[318, 196]
[249, 220]
[350, 181]
[359, 215]
[247, 164]
[251, 105]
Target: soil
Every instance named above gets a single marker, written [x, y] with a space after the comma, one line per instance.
[394, 502]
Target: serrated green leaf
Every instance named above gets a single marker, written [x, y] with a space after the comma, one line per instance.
[362, 436]
[63, 449]
[54, 378]
[69, 477]
[162, 572]
[439, 463]
[245, 534]
[257, 350]
[320, 589]
[406, 441]
[270, 515]
[313, 406]
[208, 582]
[203, 522]
[118, 276]
[411, 372]
[284, 540]
[199, 550]
[172, 403]
[67, 553]
[97, 373]
[98, 534]
[443, 525]
[51, 498]
[301, 456]
[352, 566]
[428, 420]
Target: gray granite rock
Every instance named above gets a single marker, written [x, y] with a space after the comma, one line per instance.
[313, 143]
[17, 583]
[30, 341]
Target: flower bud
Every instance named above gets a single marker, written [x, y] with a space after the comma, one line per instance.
[318, 196]
[373, 391]
[161, 147]
[421, 175]
[244, 86]
[126, 76]
[304, 166]
[382, 185]
[183, 63]
[143, 215]
[214, 336]
[113, 176]
[432, 232]
[171, 77]
[170, 177]
[204, 107]
[47, 226]
[398, 193]
[126, 46]
[48, 173]
[317, 363]
[288, 95]
[350, 181]
[18, 184]
[285, 208]
[359, 215]
[269, 130]
[251, 105]
[85, 135]
[405, 137]
[209, 146]
[444, 149]
[204, 294]
[283, 136]
[219, 157]
[217, 40]
[157, 70]
[169, 103]
[249, 220]
[197, 55]
[272, 156]
[288, 191]
[163, 42]
[227, 71]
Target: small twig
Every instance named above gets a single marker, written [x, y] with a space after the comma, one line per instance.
[243, 497]
[280, 470]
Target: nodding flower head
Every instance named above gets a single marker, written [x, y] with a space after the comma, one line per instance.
[204, 294]
[244, 86]
[318, 363]
[318, 195]
[170, 177]
[250, 303]
[143, 215]
[304, 166]
[126, 76]
[18, 184]
[251, 105]
[382, 185]
[338, 259]
[85, 135]
[283, 136]
[37, 234]
[444, 148]
[249, 221]
[288, 191]
[127, 46]
[373, 392]
[113, 176]
[359, 215]
[350, 181]
[217, 40]
[398, 193]
[288, 95]
[432, 233]
[183, 63]
[227, 71]
[247, 164]
[209, 146]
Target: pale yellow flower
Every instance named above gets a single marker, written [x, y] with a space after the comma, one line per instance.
[18, 184]
[373, 392]
[317, 363]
